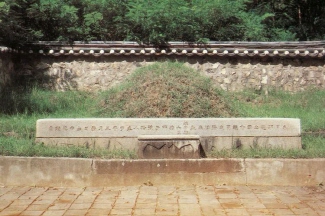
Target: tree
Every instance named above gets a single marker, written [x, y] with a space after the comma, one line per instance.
[17, 25]
[160, 21]
[157, 22]
[294, 19]
[57, 20]
[103, 19]
[310, 19]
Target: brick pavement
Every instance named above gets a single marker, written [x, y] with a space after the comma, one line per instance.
[163, 200]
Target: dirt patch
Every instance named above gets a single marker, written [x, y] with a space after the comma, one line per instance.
[11, 134]
[315, 133]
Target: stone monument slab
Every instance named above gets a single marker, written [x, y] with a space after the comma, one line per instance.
[133, 127]
[171, 134]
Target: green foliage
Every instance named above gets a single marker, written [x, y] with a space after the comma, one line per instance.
[160, 21]
[92, 24]
[157, 22]
[17, 25]
[57, 20]
[4, 8]
[293, 19]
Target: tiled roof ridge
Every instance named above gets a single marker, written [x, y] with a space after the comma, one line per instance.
[107, 48]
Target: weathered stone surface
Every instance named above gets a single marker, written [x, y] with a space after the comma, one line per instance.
[220, 143]
[92, 142]
[127, 127]
[73, 172]
[169, 147]
[44, 171]
[171, 137]
[88, 73]
[277, 171]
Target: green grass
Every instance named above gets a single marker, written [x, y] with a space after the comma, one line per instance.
[309, 106]
[313, 147]
[159, 90]
[22, 147]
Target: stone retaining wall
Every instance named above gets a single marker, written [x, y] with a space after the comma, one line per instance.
[77, 172]
[92, 73]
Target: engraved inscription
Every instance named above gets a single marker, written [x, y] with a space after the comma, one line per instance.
[132, 128]
[182, 129]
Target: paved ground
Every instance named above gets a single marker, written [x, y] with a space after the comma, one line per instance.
[163, 200]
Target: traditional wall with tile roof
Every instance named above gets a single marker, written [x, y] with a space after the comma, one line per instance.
[233, 66]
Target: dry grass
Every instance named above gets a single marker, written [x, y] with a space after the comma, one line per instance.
[166, 90]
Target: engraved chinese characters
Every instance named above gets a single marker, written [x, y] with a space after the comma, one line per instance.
[135, 127]
[212, 133]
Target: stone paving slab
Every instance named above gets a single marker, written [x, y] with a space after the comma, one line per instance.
[163, 200]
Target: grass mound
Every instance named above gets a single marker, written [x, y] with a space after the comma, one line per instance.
[165, 90]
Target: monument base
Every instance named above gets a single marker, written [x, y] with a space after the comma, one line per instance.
[207, 144]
